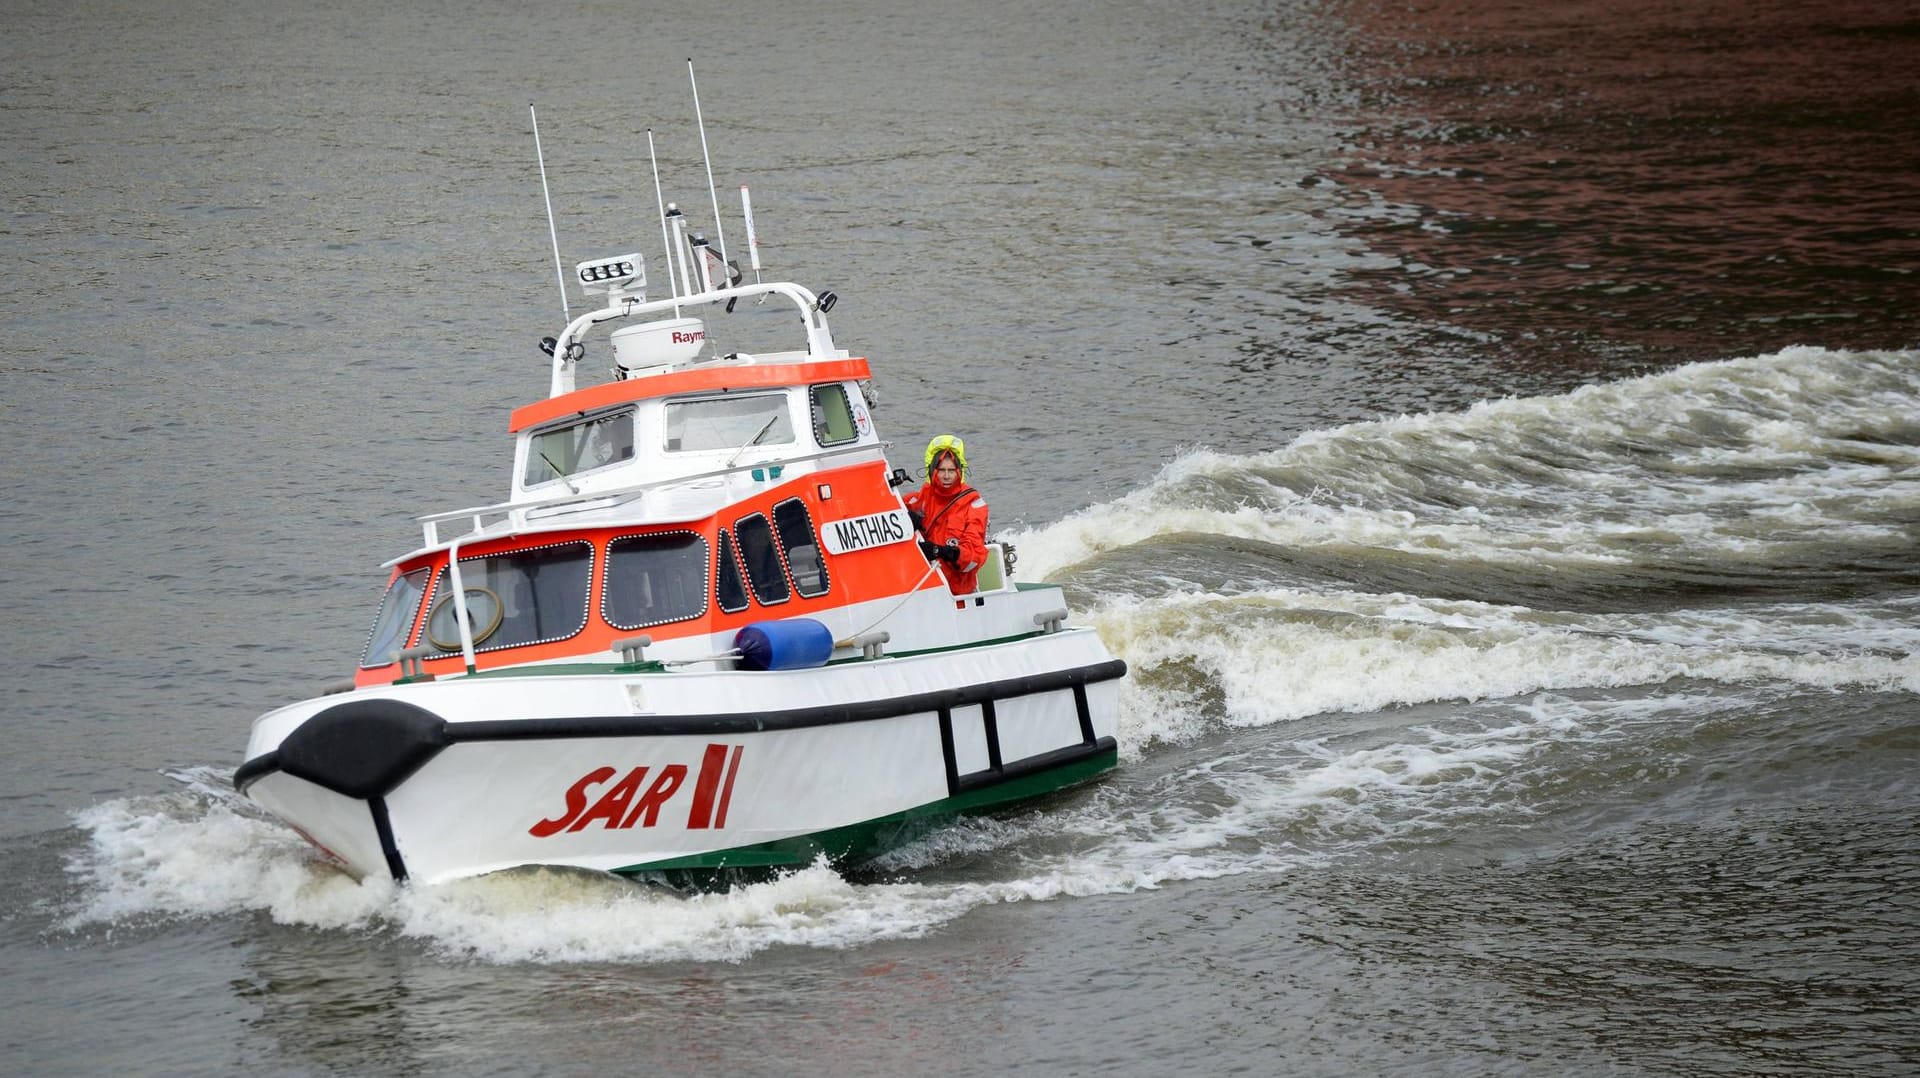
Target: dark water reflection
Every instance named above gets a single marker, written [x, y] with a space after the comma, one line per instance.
[1587, 182]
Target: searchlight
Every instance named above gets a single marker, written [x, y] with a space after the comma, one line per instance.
[619, 274]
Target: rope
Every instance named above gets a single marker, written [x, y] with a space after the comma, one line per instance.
[932, 568]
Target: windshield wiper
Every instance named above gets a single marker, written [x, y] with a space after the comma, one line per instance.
[558, 474]
[755, 440]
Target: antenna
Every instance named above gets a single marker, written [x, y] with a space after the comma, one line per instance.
[712, 193]
[666, 241]
[566, 312]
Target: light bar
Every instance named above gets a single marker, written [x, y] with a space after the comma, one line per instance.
[620, 271]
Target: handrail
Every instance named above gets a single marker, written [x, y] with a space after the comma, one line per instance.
[522, 511]
[819, 338]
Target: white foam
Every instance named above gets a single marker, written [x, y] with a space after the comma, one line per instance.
[1280, 654]
[189, 856]
[160, 858]
[1587, 478]
[1741, 465]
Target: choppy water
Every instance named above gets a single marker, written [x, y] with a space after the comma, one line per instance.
[1489, 436]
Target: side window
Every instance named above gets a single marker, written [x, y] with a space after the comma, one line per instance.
[727, 585]
[802, 546]
[762, 558]
[524, 597]
[394, 623]
[832, 415]
[653, 579]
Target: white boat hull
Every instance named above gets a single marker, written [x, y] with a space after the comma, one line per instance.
[639, 772]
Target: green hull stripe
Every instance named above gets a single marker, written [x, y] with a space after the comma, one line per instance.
[652, 667]
[870, 838]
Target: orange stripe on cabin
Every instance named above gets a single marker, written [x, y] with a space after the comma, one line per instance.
[695, 380]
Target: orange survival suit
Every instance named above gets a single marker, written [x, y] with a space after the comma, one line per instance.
[954, 523]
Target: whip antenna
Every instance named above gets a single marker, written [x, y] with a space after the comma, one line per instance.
[566, 312]
[719, 229]
[666, 241]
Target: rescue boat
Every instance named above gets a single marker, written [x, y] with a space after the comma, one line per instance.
[699, 633]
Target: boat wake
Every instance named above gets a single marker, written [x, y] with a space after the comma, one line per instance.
[1744, 523]
[1794, 474]
[1437, 636]
[1280, 655]
[194, 855]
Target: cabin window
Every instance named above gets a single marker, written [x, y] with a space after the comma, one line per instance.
[795, 526]
[653, 579]
[600, 442]
[523, 597]
[728, 586]
[832, 415]
[394, 623]
[757, 549]
[731, 422]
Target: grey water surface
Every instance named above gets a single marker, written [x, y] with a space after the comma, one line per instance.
[1488, 431]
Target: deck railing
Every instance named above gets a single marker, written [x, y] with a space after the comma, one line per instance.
[523, 514]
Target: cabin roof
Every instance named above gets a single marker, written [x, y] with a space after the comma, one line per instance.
[705, 377]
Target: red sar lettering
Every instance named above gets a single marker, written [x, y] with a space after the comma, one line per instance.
[618, 807]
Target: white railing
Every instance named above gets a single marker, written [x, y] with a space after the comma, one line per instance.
[520, 515]
[819, 338]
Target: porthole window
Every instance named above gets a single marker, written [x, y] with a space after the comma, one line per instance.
[536, 595]
[762, 559]
[654, 579]
[802, 546]
[483, 619]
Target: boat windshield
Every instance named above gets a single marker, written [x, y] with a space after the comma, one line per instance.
[598, 442]
[728, 423]
[394, 623]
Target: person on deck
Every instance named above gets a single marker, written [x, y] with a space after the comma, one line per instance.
[951, 516]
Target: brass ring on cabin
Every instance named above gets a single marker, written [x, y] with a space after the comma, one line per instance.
[480, 634]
